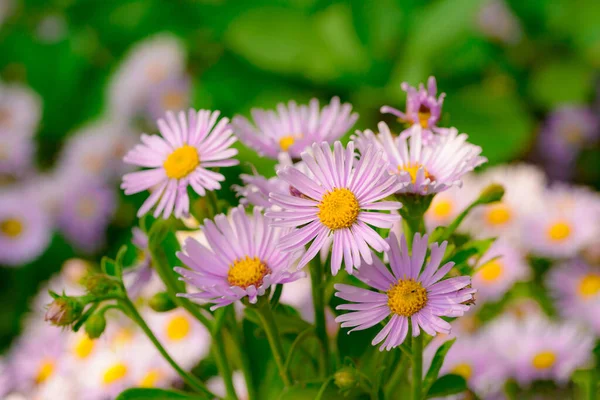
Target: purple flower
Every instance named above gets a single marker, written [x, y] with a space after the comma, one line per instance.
[241, 259]
[424, 168]
[407, 292]
[293, 128]
[340, 200]
[496, 21]
[576, 288]
[16, 154]
[85, 214]
[422, 107]
[172, 94]
[566, 131]
[138, 277]
[25, 229]
[180, 158]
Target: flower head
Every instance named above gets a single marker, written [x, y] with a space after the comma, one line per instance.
[498, 270]
[20, 111]
[567, 221]
[25, 229]
[293, 128]
[424, 168]
[409, 292]
[340, 201]
[422, 107]
[241, 259]
[172, 94]
[189, 146]
[576, 289]
[86, 211]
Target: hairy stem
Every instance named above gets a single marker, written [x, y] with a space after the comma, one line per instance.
[317, 283]
[417, 367]
[270, 326]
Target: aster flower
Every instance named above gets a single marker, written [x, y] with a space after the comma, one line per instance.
[340, 202]
[564, 134]
[576, 288]
[497, 21]
[138, 277]
[20, 111]
[241, 259]
[446, 205]
[498, 270]
[293, 128]
[567, 221]
[189, 146]
[537, 349]
[186, 339]
[411, 291]
[16, 155]
[85, 214]
[95, 151]
[422, 108]
[523, 193]
[424, 168]
[25, 229]
[147, 64]
[172, 94]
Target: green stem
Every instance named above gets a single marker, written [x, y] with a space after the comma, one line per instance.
[295, 345]
[593, 383]
[397, 375]
[238, 337]
[220, 355]
[267, 320]
[417, 367]
[189, 379]
[317, 284]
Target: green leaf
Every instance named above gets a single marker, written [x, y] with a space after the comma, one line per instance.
[119, 262]
[447, 385]
[470, 249]
[158, 394]
[436, 364]
[109, 266]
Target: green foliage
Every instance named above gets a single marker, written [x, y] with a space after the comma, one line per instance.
[436, 365]
[447, 385]
[158, 394]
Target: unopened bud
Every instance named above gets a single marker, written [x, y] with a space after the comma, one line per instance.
[346, 378]
[63, 311]
[491, 194]
[162, 302]
[95, 325]
[100, 284]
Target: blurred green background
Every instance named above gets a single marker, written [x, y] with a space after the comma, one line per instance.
[502, 75]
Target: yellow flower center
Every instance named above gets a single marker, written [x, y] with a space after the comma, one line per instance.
[173, 100]
[11, 227]
[181, 162]
[338, 209]
[424, 114]
[464, 370]
[178, 328]
[406, 297]
[544, 360]
[45, 370]
[413, 169]
[498, 214]
[491, 271]
[123, 337]
[589, 285]
[442, 208]
[559, 231]
[245, 272]
[286, 142]
[150, 379]
[84, 347]
[114, 373]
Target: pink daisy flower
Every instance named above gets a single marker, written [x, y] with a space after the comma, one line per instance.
[180, 158]
[422, 108]
[241, 259]
[341, 200]
[292, 128]
[407, 292]
[424, 168]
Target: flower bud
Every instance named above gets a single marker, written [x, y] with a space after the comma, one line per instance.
[95, 325]
[491, 194]
[346, 378]
[63, 311]
[100, 284]
[162, 302]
